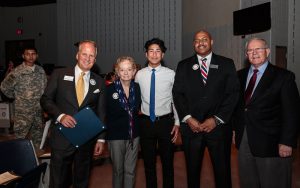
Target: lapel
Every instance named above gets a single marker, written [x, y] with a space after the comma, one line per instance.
[70, 87]
[194, 67]
[213, 70]
[264, 83]
[243, 79]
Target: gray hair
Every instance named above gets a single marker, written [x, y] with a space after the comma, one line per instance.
[256, 38]
[124, 58]
[87, 41]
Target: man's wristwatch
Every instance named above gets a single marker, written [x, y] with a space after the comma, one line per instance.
[217, 121]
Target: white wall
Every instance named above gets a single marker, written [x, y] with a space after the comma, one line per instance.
[277, 35]
[119, 28]
[36, 19]
[285, 31]
[216, 17]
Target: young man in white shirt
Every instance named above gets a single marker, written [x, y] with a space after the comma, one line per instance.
[159, 120]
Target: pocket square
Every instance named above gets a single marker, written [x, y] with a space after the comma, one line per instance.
[97, 91]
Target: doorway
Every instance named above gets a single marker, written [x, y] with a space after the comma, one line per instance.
[14, 50]
[281, 56]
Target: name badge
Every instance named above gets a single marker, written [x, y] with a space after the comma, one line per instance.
[214, 66]
[69, 78]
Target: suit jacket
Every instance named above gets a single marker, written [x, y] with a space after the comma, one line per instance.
[217, 97]
[272, 115]
[60, 97]
[117, 118]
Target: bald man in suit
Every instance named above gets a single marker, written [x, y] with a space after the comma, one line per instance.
[60, 101]
[205, 93]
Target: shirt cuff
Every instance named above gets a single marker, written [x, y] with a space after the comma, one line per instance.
[101, 140]
[59, 117]
[220, 120]
[185, 118]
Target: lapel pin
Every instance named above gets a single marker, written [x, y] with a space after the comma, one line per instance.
[195, 67]
[92, 82]
[115, 95]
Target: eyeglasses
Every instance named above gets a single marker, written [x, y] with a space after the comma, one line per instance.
[256, 50]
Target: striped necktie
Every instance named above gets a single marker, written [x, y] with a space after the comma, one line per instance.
[204, 70]
[80, 89]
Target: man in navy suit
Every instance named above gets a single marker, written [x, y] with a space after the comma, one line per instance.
[60, 101]
[266, 120]
[205, 94]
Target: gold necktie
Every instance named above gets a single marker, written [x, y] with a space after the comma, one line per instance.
[80, 88]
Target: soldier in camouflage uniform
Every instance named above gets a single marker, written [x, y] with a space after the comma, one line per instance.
[26, 84]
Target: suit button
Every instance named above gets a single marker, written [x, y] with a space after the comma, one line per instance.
[246, 109]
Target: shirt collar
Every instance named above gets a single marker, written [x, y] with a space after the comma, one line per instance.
[208, 57]
[261, 69]
[78, 71]
[156, 68]
[30, 67]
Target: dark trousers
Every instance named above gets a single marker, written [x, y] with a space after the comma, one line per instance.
[153, 136]
[70, 166]
[218, 143]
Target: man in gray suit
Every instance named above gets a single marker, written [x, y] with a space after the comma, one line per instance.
[61, 100]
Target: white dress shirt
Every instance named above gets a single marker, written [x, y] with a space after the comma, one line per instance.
[164, 80]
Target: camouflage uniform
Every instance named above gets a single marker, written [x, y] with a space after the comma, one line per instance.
[26, 86]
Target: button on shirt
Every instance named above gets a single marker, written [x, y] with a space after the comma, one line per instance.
[164, 80]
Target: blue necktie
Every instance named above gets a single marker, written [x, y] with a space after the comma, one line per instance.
[152, 97]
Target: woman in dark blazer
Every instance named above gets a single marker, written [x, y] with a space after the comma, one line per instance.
[122, 106]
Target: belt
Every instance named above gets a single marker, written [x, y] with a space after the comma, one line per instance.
[170, 115]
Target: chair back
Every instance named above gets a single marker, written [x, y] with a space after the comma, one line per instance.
[18, 156]
[32, 178]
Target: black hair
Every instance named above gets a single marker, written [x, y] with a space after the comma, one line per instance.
[29, 48]
[157, 41]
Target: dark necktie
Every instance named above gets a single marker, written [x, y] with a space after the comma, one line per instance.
[250, 87]
[204, 70]
[152, 97]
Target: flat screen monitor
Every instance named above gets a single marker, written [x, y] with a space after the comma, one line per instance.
[254, 19]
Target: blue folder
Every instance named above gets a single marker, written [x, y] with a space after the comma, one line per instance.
[87, 127]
